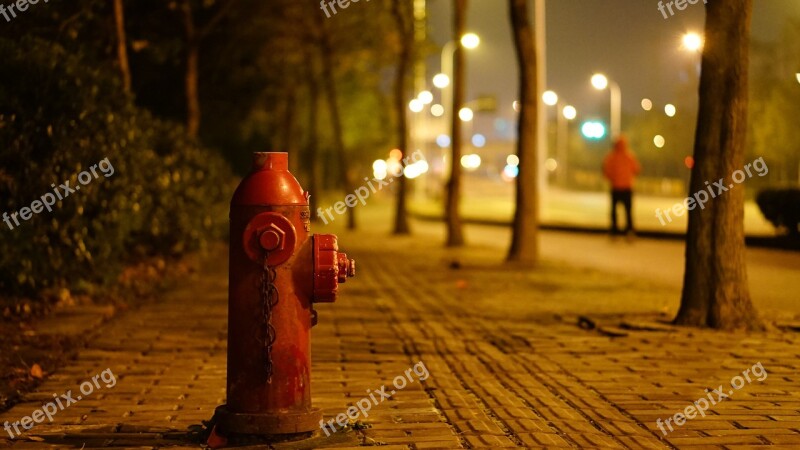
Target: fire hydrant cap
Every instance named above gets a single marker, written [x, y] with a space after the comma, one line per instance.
[269, 183]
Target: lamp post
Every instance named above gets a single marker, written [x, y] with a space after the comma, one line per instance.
[601, 82]
[443, 80]
[564, 113]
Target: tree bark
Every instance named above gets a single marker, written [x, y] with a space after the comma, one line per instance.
[403, 63]
[313, 130]
[191, 77]
[329, 86]
[524, 247]
[455, 231]
[715, 290]
[122, 47]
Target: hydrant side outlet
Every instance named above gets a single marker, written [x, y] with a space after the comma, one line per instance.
[273, 281]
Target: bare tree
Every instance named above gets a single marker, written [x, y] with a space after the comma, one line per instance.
[401, 11]
[329, 87]
[715, 290]
[122, 47]
[194, 37]
[455, 229]
[524, 241]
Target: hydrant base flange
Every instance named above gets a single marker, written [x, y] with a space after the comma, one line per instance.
[283, 423]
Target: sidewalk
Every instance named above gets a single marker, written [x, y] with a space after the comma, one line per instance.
[509, 366]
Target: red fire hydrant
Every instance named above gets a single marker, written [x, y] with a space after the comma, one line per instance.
[277, 272]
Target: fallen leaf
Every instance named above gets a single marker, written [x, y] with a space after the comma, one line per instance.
[36, 371]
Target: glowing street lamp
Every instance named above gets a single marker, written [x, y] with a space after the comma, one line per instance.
[670, 110]
[601, 82]
[465, 114]
[426, 97]
[470, 40]
[416, 105]
[692, 42]
[549, 98]
[441, 80]
[798, 77]
[569, 112]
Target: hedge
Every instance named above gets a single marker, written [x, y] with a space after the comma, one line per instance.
[60, 115]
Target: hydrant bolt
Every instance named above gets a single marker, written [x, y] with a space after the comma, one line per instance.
[270, 240]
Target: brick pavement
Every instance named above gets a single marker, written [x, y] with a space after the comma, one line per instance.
[507, 369]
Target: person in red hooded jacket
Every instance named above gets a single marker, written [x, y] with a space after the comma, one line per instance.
[620, 167]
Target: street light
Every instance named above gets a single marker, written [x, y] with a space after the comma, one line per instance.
[441, 80]
[470, 40]
[569, 112]
[549, 98]
[601, 82]
[670, 110]
[647, 104]
[798, 77]
[692, 42]
[416, 105]
[426, 97]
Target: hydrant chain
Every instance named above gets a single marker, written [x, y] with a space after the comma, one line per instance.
[269, 299]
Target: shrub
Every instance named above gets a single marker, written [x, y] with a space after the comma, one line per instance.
[781, 206]
[58, 116]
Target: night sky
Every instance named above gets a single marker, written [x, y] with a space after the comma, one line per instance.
[628, 40]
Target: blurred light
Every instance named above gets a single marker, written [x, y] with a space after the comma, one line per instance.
[478, 140]
[798, 77]
[416, 169]
[647, 105]
[379, 169]
[512, 160]
[551, 164]
[510, 172]
[593, 130]
[550, 98]
[470, 162]
[670, 110]
[659, 141]
[516, 105]
[394, 168]
[692, 42]
[426, 97]
[569, 112]
[416, 105]
[437, 110]
[443, 140]
[396, 154]
[500, 125]
[689, 161]
[470, 40]
[465, 114]
[441, 80]
[599, 81]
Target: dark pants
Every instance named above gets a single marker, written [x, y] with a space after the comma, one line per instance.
[623, 196]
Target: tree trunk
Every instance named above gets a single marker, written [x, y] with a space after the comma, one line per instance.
[403, 64]
[329, 85]
[122, 48]
[193, 39]
[191, 75]
[524, 240]
[715, 290]
[455, 231]
[313, 129]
